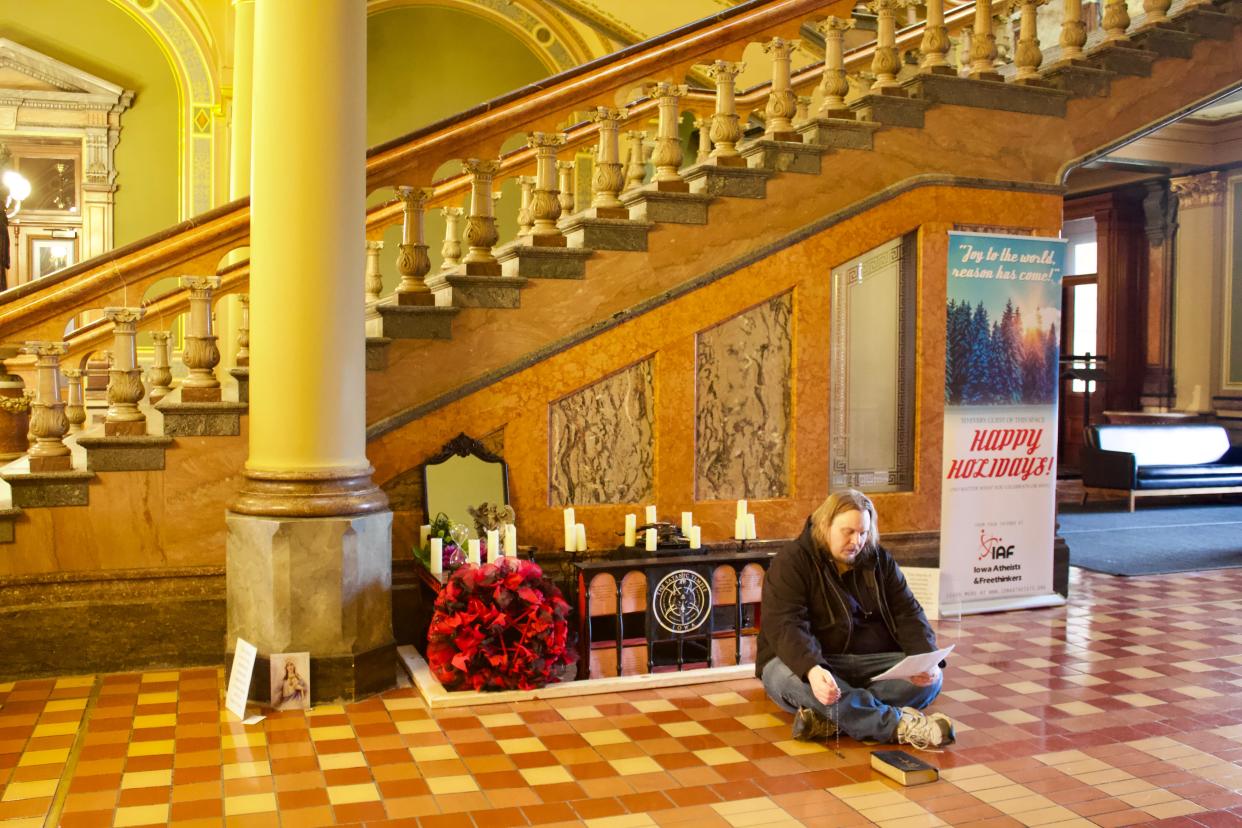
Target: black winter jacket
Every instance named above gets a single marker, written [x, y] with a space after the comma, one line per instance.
[805, 615]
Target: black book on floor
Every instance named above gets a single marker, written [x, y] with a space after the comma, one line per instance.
[902, 767]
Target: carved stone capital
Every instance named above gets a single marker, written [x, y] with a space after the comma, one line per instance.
[724, 70]
[43, 349]
[200, 283]
[780, 48]
[125, 318]
[607, 115]
[538, 140]
[664, 89]
[414, 198]
[833, 26]
[1202, 190]
[480, 169]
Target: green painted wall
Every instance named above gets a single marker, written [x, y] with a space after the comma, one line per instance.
[97, 37]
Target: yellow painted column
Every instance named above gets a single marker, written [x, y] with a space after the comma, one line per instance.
[228, 309]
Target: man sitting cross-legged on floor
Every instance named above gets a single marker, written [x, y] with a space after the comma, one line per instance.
[836, 613]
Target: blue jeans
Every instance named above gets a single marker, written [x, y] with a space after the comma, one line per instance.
[867, 710]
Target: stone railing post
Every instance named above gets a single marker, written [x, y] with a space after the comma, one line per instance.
[935, 43]
[526, 191]
[125, 377]
[373, 280]
[834, 85]
[412, 260]
[635, 163]
[75, 408]
[481, 234]
[1073, 31]
[243, 337]
[48, 423]
[201, 355]
[1116, 20]
[160, 372]
[608, 177]
[725, 130]
[983, 44]
[1157, 12]
[782, 100]
[885, 62]
[565, 183]
[703, 127]
[450, 250]
[545, 207]
[1027, 55]
[667, 156]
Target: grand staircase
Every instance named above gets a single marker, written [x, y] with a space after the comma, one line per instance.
[896, 136]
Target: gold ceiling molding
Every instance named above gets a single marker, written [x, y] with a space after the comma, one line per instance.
[548, 35]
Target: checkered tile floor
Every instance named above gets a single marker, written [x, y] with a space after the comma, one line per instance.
[1121, 709]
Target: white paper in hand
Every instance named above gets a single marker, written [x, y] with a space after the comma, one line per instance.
[915, 664]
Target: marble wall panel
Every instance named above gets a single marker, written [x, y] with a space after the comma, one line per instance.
[744, 401]
[602, 441]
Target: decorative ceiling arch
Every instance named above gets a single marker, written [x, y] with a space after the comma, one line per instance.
[547, 33]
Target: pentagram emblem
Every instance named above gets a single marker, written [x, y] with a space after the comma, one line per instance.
[682, 601]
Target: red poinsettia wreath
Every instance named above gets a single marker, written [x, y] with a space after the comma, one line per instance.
[502, 626]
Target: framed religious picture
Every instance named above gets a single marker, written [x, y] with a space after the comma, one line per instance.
[290, 676]
[48, 255]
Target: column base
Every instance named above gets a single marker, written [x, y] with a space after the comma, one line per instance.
[331, 493]
[321, 585]
[125, 428]
[198, 393]
[415, 298]
[56, 463]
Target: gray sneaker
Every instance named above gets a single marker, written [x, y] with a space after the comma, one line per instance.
[810, 726]
[924, 731]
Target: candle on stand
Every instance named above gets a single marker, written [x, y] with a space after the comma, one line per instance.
[493, 544]
[580, 544]
[742, 509]
[750, 527]
[569, 529]
[696, 537]
[437, 556]
[651, 540]
[651, 514]
[739, 528]
[510, 540]
[687, 520]
[424, 532]
[472, 551]
[631, 530]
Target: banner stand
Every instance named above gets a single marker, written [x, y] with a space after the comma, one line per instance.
[1003, 605]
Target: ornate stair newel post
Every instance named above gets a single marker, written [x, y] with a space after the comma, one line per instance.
[935, 41]
[1073, 31]
[725, 130]
[243, 338]
[545, 207]
[983, 44]
[201, 354]
[667, 156]
[565, 183]
[450, 250]
[75, 408]
[373, 281]
[125, 378]
[1116, 20]
[481, 232]
[1027, 56]
[885, 63]
[834, 85]
[160, 372]
[608, 177]
[413, 262]
[635, 163]
[782, 100]
[48, 423]
[526, 189]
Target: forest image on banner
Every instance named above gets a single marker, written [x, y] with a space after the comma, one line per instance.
[993, 359]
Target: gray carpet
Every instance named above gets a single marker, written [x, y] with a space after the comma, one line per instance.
[1154, 539]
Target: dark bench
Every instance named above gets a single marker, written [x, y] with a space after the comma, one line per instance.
[1147, 460]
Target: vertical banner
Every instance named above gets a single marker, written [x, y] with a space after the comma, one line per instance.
[998, 483]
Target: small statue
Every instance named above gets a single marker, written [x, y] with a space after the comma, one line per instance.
[490, 516]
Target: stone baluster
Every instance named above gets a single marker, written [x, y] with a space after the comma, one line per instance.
[160, 372]
[885, 62]
[608, 177]
[373, 281]
[782, 100]
[964, 47]
[725, 130]
[834, 85]
[200, 354]
[545, 207]
[450, 250]
[935, 41]
[481, 234]
[526, 191]
[1027, 56]
[125, 378]
[1157, 12]
[243, 337]
[1116, 21]
[667, 156]
[983, 44]
[636, 164]
[1073, 31]
[703, 126]
[565, 183]
[413, 263]
[75, 409]
[48, 423]
[803, 113]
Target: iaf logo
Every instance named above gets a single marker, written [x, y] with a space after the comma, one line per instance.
[682, 601]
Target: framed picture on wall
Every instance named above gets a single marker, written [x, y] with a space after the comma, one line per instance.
[48, 255]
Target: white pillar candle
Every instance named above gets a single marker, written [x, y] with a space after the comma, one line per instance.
[687, 520]
[493, 544]
[739, 527]
[580, 544]
[631, 530]
[651, 540]
[424, 532]
[696, 537]
[437, 556]
[651, 514]
[570, 538]
[750, 527]
[472, 551]
[510, 540]
[741, 509]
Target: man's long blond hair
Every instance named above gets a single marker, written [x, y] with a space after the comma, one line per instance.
[846, 500]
